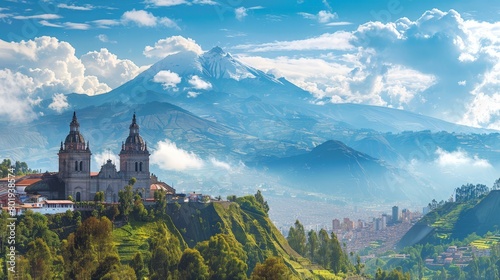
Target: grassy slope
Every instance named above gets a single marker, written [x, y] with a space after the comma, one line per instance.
[195, 222]
[456, 221]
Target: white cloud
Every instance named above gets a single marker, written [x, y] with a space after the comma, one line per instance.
[52, 66]
[15, 90]
[106, 23]
[193, 94]
[326, 16]
[141, 18]
[198, 83]
[108, 68]
[59, 102]
[340, 40]
[169, 157]
[378, 61]
[172, 45]
[77, 8]
[166, 3]
[459, 158]
[77, 26]
[49, 24]
[102, 157]
[240, 13]
[146, 19]
[104, 38]
[41, 16]
[322, 16]
[167, 78]
[220, 164]
[339, 23]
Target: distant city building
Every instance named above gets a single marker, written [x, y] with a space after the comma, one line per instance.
[336, 224]
[384, 221]
[406, 216]
[395, 214]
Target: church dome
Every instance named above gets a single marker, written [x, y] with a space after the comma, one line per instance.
[74, 140]
[134, 141]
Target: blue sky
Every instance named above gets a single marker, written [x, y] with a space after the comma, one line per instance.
[438, 58]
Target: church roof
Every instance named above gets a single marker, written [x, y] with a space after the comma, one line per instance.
[74, 140]
[134, 141]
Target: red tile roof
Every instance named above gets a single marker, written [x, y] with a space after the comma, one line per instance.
[27, 182]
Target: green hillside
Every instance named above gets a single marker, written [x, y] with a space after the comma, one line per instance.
[193, 223]
[456, 221]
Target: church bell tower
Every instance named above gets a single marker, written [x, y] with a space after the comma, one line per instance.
[74, 163]
[134, 158]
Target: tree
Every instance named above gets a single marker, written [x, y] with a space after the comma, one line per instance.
[88, 247]
[272, 269]
[137, 264]
[160, 198]
[99, 197]
[166, 252]
[39, 259]
[297, 238]
[192, 266]
[312, 245]
[126, 200]
[261, 201]
[224, 256]
[338, 260]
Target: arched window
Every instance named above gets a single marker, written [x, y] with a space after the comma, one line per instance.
[76, 165]
[136, 167]
[78, 196]
[140, 166]
[81, 165]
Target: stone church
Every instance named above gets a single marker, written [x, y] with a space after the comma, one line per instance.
[82, 184]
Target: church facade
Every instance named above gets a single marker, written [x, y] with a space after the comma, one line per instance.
[75, 160]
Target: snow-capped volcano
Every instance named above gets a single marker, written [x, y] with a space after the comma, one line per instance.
[219, 64]
[187, 75]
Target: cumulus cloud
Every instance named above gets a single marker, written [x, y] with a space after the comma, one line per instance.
[146, 19]
[198, 83]
[15, 90]
[59, 102]
[409, 64]
[168, 79]
[347, 79]
[172, 45]
[52, 66]
[169, 157]
[108, 68]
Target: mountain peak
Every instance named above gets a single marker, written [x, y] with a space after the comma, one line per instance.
[217, 50]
